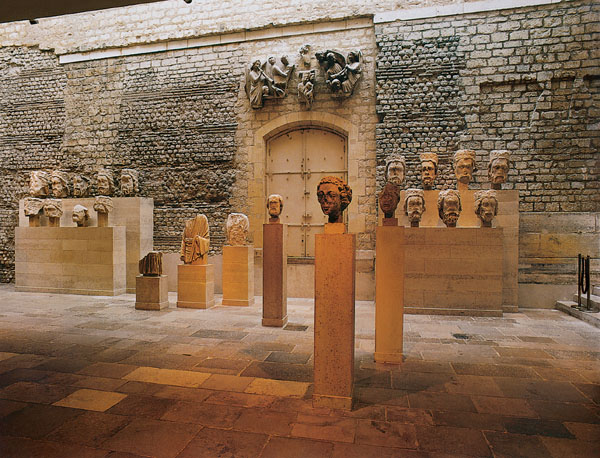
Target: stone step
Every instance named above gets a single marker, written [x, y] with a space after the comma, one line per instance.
[594, 300]
[588, 317]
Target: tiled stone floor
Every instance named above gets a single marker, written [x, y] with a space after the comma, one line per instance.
[92, 377]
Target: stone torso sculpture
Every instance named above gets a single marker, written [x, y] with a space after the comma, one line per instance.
[464, 166]
[498, 168]
[274, 206]
[486, 206]
[449, 207]
[395, 167]
[306, 88]
[39, 183]
[237, 227]
[429, 163]
[151, 265]
[195, 240]
[81, 186]
[414, 205]
[388, 200]
[60, 184]
[334, 197]
[80, 215]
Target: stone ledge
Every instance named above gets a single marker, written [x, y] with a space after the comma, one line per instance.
[588, 317]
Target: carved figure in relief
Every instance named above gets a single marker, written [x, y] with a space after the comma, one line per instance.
[237, 227]
[32, 206]
[129, 182]
[195, 240]
[39, 183]
[257, 84]
[306, 88]
[280, 73]
[80, 215]
[414, 205]
[449, 206]
[81, 186]
[151, 265]
[304, 55]
[341, 74]
[395, 167]
[498, 168]
[464, 165]
[429, 165]
[388, 199]
[103, 204]
[334, 196]
[486, 206]
[60, 184]
[274, 206]
[105, 183]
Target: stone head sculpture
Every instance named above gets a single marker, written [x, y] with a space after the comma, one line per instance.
[395, 169]
[39, 183]
[60, 184]
[486, 206]
[274, 206]
[81, 186]
[129, 182]
[80, 215]
[105, 183]
[304, 54]
[464, 165]
[498, 168]
[103, 206]
[449, 206]
[388, 199]
[414, 205]
[195, 240]
[334, 196]
[429, 167]
[32, 206]
[53, 210]
[237, 227]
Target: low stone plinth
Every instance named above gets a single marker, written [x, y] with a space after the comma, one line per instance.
[238, 275]
[195, 286]
[151, 292]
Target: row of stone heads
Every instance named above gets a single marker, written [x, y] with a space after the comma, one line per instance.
[464, 166]
[61, 184]
[33, 207]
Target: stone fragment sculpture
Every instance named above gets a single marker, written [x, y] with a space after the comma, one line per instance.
[275, 207]
[306, 88]
[341, 74]
[129, 182]
[80, 215]
[305, 55]
[151, 265]
[105, 183]
[53, 209]
[498, 168]
[267, 80]
[395, 168]
[388, 199]
[464, 165]
[39, 183]
[237, 227]
[32, 206]
[429, 167]
[334, 196]
[103, 206]
[60, 184]
[486, 206]
[449, 206]
[81, 186]
[195, 240]
[414, 205]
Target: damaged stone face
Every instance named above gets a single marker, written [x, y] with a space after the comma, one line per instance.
[414, 205]
[80, 215]
[449, 207]
[498, 168]
[388, 199]
[237, 227]
[334, 196]
[39, 183]
[464, 165]
[429, 168]
[486, 206]
[60, 184]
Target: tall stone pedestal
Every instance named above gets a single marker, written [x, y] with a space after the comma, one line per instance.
[334, 318]
[238, 275]
[389, 294]
[195, 286]
[151, 292]
[274, 275]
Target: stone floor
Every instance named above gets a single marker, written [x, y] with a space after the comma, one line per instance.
[92, 377]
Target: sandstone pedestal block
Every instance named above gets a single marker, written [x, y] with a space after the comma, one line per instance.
[151, 292]
[389, 294]
[334, 319]
[238, 275]
[274, 275]
[195, 286]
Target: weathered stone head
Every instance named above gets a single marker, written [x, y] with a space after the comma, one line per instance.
[334, 196]
[464, 165]
[129, 182]
[498, 168]
[237, 227]
[414, 205]
[39, 183]
[388, 199]
[274, 206]
[449, 206]
[60, 184]
[103, 204]
[53, 208]
[429, 167]
[81, 186]
[395, 169]
[80, 215]
[32, 206]
[105, 183]
[486, 206]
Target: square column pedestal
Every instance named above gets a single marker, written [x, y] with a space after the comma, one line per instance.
[274, 275]
[334, 317]
[389, 294]
[195, 286]
[151, 292]
[238, 275]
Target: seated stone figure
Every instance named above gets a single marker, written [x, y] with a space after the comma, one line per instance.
[195, 240]
[449, 207]
[275, 207]
[388, 200]
[81, 186]
[80, 215]
[60, 184]
[237, 227]
[486, 206]
[39, 183]
[414, 205]
[334, 196]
